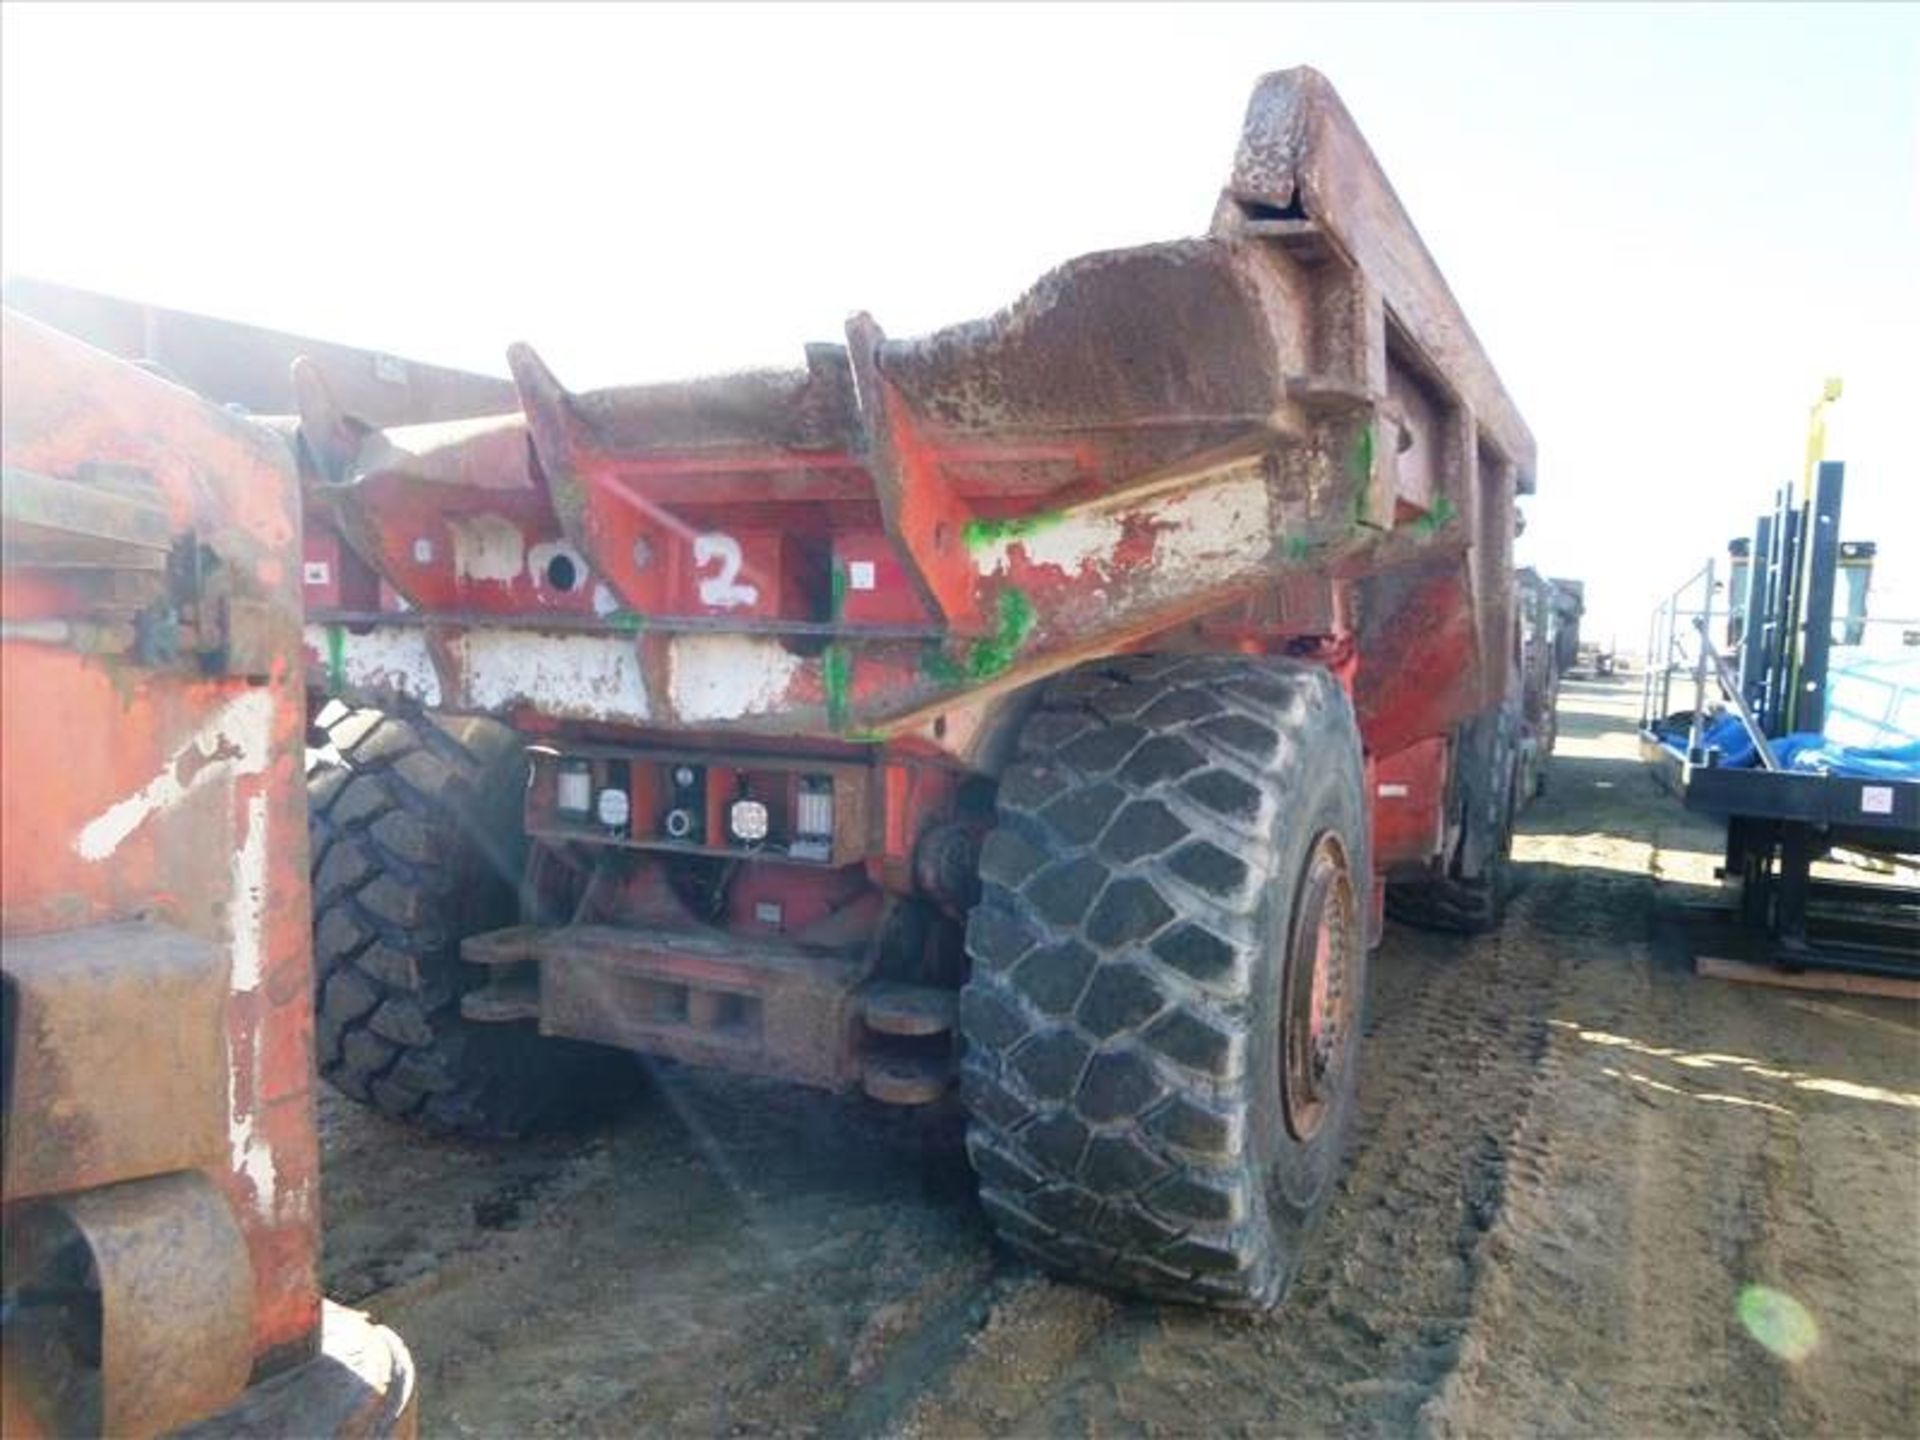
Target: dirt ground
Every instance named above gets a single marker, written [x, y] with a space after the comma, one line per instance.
[1589, 1193]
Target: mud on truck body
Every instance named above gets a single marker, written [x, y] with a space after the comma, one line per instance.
[1041, 704]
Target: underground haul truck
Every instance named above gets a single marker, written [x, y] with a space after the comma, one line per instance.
[1051, 706]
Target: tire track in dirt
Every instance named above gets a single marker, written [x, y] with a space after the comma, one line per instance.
[1659, 1182]
[1674, 1159]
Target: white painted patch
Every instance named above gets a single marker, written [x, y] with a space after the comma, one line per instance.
[250, 1155]
[389, 659]
[576, 677]
[247, 900]
[860, 575]
[316, 572]
[1392, 791]
[1070, 544]
[728, 677]
[1203, 536]
[234, 741]
[246, 925]
[1876, 799]
[1213, 535]
[488, 547]
[605, 602]
[423, 551]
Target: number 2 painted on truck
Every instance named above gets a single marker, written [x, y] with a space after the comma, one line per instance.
[722, 589]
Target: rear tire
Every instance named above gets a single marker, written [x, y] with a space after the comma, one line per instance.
[417, 843]
[1158, 1102]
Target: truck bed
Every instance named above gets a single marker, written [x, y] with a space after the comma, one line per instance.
[1150, 444]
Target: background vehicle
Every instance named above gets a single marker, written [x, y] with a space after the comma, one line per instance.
[1549, 634]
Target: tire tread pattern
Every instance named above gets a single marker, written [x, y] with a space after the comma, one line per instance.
[414, 831]
[1107, 1014]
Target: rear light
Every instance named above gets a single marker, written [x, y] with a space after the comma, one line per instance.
[573, 791]
[686, 803]
[637, 800]
[813, 819]
[747, 821]
[613, 809]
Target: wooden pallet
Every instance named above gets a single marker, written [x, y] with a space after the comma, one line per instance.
[1845, 982]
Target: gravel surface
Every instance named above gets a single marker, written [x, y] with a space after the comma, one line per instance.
[1589, 1192]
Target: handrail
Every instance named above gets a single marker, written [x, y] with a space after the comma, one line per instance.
[1674, 629]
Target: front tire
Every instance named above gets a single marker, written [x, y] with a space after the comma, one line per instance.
[1169, 968]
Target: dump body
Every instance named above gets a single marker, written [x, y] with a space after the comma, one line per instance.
[158, 1119]
[828, 595]
[1283, 431]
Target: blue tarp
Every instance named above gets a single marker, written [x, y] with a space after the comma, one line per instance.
[1813, 754]
[1862, 762]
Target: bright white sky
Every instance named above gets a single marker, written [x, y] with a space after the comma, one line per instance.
[1666, 224]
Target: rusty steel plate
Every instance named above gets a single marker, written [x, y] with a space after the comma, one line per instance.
[119, 1063]
[134, 1307]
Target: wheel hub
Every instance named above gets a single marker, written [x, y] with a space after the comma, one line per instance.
[1318, 999]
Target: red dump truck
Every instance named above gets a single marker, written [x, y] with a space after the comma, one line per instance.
[1051, 705]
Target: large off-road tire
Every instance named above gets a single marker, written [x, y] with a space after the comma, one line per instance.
[1470, 896]
[417, 842]
[1158, 1098]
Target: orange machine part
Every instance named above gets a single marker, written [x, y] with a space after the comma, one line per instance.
[160, 792]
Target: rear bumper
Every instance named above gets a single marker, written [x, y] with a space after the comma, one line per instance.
[360, 1387]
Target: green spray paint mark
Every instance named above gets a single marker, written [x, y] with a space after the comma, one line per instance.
[836, 674]
[837, 600]
[935, 665]
[1363, 455]
[867, 737]
[981, 533]
[990, 655]
[1362, 463]
[628, 621]
[1298, 548]
[336, 659]
[997, 652]
[1435, 519]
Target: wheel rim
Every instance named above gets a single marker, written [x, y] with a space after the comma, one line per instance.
[1319, 996]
